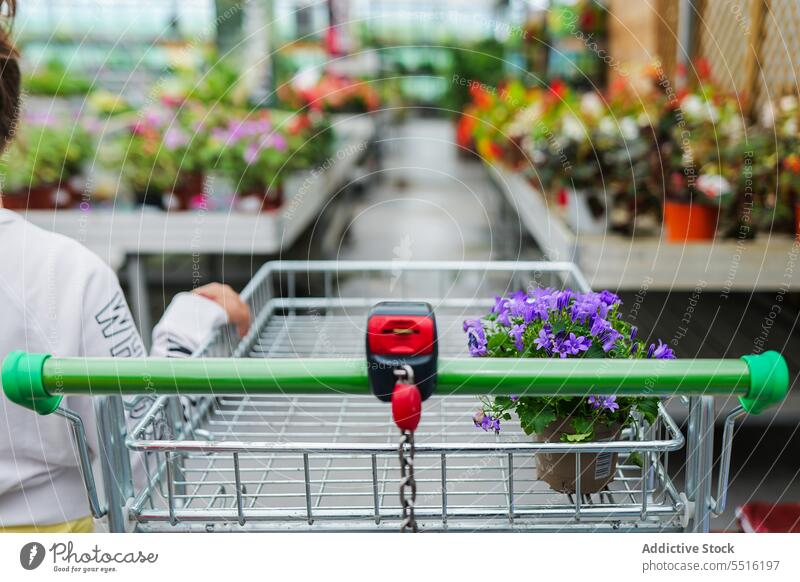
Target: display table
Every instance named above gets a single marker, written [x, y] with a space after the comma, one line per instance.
[620, 262]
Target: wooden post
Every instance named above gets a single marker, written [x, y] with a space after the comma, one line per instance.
[752, 57]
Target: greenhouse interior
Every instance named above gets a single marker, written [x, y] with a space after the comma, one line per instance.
[373, 265]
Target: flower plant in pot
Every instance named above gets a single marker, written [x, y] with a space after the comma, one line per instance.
[329, 92]
[780, 124]
[39, 168]
[551, 323]
[146, 154]
[254, 153]
[704, 127]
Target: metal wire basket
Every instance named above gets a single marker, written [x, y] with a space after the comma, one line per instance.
[328, 462]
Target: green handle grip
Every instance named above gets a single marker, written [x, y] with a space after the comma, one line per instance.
[39, 381]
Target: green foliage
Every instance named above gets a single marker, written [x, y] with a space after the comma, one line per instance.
[44, 152]
[55, 80]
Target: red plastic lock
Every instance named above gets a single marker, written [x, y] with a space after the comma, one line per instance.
[406, 406]
[400, 335]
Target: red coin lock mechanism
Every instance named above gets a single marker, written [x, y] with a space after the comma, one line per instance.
[401, 333]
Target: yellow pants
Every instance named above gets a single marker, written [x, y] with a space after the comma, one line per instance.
[81, 525]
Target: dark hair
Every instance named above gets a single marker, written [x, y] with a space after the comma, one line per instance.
[9, 75]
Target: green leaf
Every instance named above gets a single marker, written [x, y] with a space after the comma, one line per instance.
[536, 422]
[582, 425]
[634, 459]
[498, 341]
[502, 401]
[576, 438]
[648, 408]
[595, 351]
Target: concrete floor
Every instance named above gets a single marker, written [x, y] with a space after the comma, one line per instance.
[426, 204]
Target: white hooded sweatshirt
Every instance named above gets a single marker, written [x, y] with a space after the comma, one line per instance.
[57, 297]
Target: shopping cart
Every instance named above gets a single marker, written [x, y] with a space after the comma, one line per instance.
[278, 431]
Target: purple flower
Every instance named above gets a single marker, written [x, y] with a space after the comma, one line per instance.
[476, 337]
[585, 306]
[660, 352]
[513, 398]
[486, 422]
[516, 333]
[609, 298]
[563, 298]
[594, 401]
[610, 403]
[503, 318]
[634, 331]
[545, 339]
[635, 349]
[608, 339]
[599, 325]
[572, 346]
[500, 304]
[519, 306]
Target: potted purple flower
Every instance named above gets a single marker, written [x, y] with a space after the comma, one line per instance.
[551, 323]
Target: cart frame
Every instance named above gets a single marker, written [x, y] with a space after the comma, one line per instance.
[172, 435]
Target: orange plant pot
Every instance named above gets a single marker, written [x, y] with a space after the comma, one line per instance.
[684, 221]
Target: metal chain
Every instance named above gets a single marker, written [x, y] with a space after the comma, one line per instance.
[408, 485]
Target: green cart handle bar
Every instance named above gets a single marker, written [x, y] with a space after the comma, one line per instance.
[39, 381]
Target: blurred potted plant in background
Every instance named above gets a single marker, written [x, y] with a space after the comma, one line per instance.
[53, 79]
[328, 92]
[148, 167]
[780, 124]
[551, 323]
[704, 126]
[253, 152]
[41, 167]
[492, 110]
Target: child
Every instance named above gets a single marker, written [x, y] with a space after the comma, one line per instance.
[57, 297]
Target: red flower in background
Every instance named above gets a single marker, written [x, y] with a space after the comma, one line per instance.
[703, 68]
[791, 163]
[298, 124]
[588, 19]
[480, 96]
[466, 123]
[558, 88]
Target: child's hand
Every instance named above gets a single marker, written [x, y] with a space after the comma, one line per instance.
[224, 296]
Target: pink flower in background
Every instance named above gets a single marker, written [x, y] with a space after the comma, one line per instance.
[42, 118]
[153, 119]
[138, 128]
[175, 138]
[251, 153]
[279, 142]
